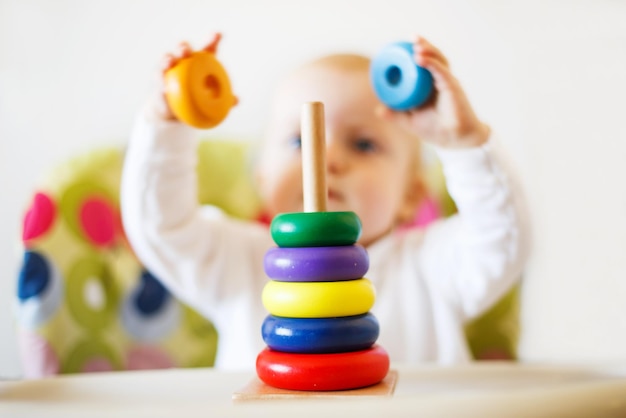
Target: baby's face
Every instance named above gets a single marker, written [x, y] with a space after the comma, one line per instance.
[370, 161]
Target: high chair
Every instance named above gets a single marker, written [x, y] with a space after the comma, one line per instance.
[84, 302]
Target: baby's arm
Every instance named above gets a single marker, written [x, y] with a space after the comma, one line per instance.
[473, 258]
[447, 119]
[200, 254]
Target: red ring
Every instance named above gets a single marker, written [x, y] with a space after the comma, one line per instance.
[323, 372]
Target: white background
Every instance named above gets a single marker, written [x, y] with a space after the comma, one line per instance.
[549, 76]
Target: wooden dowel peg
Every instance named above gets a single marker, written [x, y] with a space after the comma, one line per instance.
[313, 157]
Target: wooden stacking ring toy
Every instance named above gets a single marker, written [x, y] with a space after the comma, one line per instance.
[323, 372]
[318, 299]
[198, 90]
[398, 81]
[320, 335]
[316, 264]
[315, 229]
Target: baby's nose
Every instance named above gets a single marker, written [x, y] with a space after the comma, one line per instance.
[335, 158]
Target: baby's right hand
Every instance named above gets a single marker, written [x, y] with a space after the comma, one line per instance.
[159, 107]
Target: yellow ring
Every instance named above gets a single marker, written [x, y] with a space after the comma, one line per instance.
[318, 299]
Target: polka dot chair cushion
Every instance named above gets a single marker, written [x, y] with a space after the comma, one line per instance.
[84, 302]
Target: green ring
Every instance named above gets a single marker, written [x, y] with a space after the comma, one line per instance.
[316, 229]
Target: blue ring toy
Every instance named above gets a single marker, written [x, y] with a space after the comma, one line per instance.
[316, 264]
[320, 335]
[398, 81]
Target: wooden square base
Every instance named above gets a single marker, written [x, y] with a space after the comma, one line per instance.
[256, 390]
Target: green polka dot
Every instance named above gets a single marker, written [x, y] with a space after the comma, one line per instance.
[198, 325]
[91, 268]
[497, 330]
[206, 359]
[87, 350]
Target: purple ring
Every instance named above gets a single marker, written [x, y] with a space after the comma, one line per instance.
[316, 264]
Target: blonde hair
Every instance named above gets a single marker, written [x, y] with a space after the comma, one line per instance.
[344, 61]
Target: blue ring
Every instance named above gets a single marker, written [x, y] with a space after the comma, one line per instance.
[398, 81]
[320, 335]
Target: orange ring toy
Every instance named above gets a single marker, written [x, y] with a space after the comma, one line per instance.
[198, 90]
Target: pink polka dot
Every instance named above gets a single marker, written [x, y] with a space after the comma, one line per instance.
[427, 212]
[97, 364]
[39, 217]
[38, 357]
[147, 358]
[98, 221]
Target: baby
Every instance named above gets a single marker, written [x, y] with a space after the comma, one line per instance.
[429, 281]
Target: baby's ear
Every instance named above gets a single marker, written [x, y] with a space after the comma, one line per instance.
[414, 195]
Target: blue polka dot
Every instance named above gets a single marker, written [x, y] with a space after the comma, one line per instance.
[149, 313]
[151, 295]
[34, 276]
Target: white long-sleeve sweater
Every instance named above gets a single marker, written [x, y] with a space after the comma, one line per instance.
[428, 281]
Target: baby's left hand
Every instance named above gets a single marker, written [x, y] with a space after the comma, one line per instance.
[447, 119]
